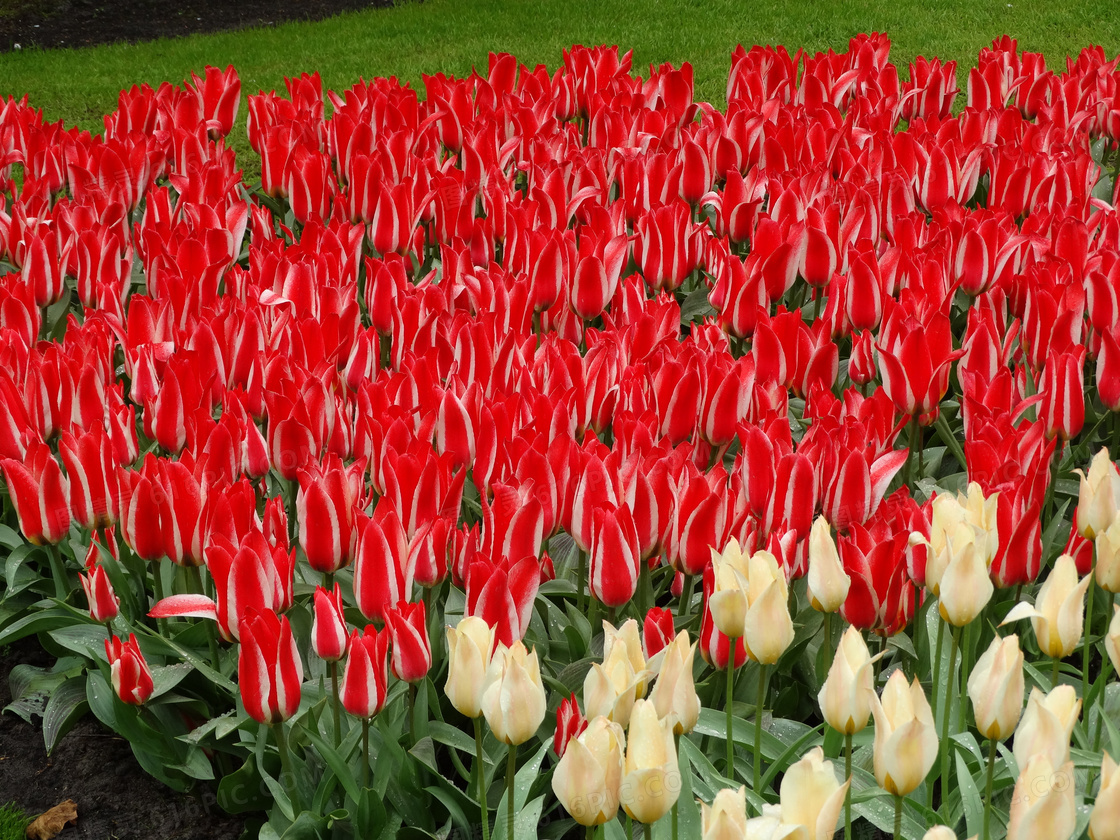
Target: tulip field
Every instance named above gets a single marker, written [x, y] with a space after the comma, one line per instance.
[546, 453]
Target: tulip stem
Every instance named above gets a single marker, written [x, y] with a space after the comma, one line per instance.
[480, 769]
[939, 645]
[988, 795]
[1055, 673]
[947, 714]
[365, 753]
[758, 728]
[1087, 646]
[58, 572]
[288, 782]
[911, 453]
[195, 573]
[897, 817]
[848, 794]
[727, 706]
[828, 651]
[685, 605]
[1106, 667]
[293, 511]
[336, 704]
[962, 708]
[581, 579]
[511, 774]
[157, 589]
[647, 831]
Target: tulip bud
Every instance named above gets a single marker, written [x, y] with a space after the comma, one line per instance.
[657, 631]
[966, 585]
[1058, 614]
[861, 364]
[469, 648]
[728, 602]
[1112, 638]
[1047, 725]
[412, 652]
[132, 679]
[103, 601]
[811, 796]
[769, 626]
[1108, 556]
[588, 778]
[905, 736]
[726, 818]
[365, 680]
[1099, 498]
[828, 582]
[570, 723]
[328, 632]
[1042, 806]
[845, 697]
[269, 670]
[513, 696]
[674, 694]
[996, 688]
[652, 782]
[612, 688]
[1104, 822]
[956, 521]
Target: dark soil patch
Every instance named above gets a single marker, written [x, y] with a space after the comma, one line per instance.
[83, 23]
[95, 768]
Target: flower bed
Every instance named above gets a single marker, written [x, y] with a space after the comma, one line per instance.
[396, 494]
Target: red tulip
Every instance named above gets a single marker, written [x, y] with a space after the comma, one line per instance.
[103, 601]
[668, 246]
[861, 364]
[381, 574]
[881, 596]
[39, 491]
[1108, 369]
[502, 594]
[657, 631]
[615, 556]
[1062, 389]
[915, 357]
[715, 647]
[132, 679]
[325, 507]
[269, 670]
[219, 95]
[570, 724]
[412, 651]
[365, 680]
[328, 631]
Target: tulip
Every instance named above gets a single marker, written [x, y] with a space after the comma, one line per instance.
[966, 585]
[657, 631]
[612, 688]
[1042, 806]
[1112, 638]
[570, 723]
[103, 601]
[39, 492]
[365, 680]
[269, 669]
[412, 652]
[615, 556]
[469, 645]
[674, 694]
[588, 779]
[996, 688]
[845, 697]
[728, 602]
[1108, 557]
[1062, 393]
[811, 797]
[325, 510]
[726, 818]
[905, 739]
[751, 601]
[1104, 822]
[651, 782]
[1047, 725]
[132, 679]
[956, 521]
[328, 630]
[1058, 614]
[1098, 500]
[513, 697]
[828, 582]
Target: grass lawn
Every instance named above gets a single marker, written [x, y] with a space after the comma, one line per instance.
[452, 35]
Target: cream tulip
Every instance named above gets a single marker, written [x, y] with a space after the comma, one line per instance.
[811, 797]
[469, 647]
[1112, 638]
[588, 778]
[769, 626]
[905, 737]
[957, 520]
[513, 697]
[1108, 557]
[983, 514]
[610, 689]
[1058, 614]
[845, 697]
[966, 585]
[1104, 822]
[996, 688]
[674, 693]
[1099, 497]
[651, 781]
[1047, 726]
[726, 817]
[1042, 806]
[729, 600]
[828, 583]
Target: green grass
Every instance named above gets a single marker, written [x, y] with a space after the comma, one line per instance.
[80, 86]
[13, 822]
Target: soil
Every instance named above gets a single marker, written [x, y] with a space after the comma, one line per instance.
[82, 23]
[95, 768]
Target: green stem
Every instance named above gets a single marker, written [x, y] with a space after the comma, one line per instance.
[629, 827]
[937, 660]
[157, 588]
[685, 605]
[1055, 672]
[511, 773]
[897, 817]
[647, 831]
[727, 705]
[758, 728]
[1106, 667]
[947, 713]
[58, 572]
[293, 518]
[848, 795]
[828, 651]
[962, 709]
[365, 753]
[581, 579]
[195, 573]
[289, 780]
[645, 588]
[909, 474]
[336, 705]
[1087, 646]
[480, 770]
[988, 793]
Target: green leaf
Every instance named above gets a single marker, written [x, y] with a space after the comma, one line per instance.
[37, 622]
[970, 796]
[84, 639]
[337, 764]
[67, 705]
[522, 782]
[166, 677]
[240, 791]
[450, 736]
